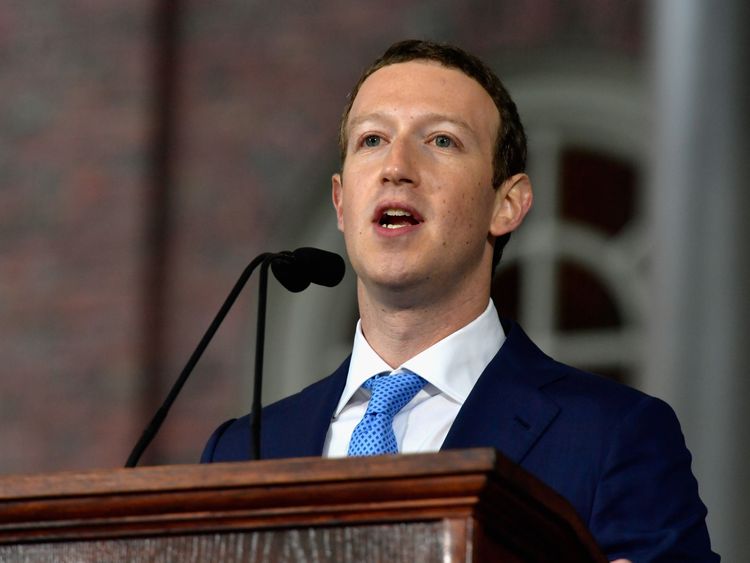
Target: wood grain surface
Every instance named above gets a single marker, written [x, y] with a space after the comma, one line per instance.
[399, 543]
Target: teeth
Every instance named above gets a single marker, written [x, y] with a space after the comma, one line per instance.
[395, 218]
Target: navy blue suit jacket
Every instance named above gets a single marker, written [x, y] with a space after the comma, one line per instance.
[616, 454]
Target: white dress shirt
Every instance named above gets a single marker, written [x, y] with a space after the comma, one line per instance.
[451, 367]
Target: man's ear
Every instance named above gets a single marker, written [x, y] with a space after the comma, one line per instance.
[337, 194]
[513, 200]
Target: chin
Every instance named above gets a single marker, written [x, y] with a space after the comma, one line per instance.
[398, 280]
[395, 281]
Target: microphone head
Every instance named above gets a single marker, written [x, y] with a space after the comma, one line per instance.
[286, 269]
[296, 270]
[322, 267]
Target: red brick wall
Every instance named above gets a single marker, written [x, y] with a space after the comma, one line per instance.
[73, 90]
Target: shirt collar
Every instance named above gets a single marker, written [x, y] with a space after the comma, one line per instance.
[452, 365]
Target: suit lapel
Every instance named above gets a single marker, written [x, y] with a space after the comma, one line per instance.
[506, 409]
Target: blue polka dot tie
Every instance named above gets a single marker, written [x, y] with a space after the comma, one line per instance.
[390, 393]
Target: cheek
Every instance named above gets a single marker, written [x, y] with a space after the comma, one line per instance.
[471, 206]
[353, 219]
[468, 215]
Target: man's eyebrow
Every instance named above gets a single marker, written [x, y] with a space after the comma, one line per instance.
[427, 117]
[359, 119]
[456, 120]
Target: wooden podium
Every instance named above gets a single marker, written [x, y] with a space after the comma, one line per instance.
[456, 506]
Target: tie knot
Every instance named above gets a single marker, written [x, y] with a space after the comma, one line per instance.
[391, 393]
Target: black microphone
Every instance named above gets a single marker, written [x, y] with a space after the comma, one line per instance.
[301, 267]
[296, 270]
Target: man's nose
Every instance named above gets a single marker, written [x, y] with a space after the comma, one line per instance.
[400, 164]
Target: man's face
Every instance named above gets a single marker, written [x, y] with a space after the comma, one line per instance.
[415, 199]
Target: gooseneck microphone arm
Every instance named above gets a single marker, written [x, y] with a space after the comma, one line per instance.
[153, 427]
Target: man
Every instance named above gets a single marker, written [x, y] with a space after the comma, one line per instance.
[431, 186]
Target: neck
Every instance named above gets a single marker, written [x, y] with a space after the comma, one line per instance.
[398, 331]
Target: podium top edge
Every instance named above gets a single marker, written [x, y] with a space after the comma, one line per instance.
[238, 474]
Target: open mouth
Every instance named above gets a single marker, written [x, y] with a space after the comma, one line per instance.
[394, 218]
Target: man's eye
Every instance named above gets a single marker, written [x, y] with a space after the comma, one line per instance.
[443, 141]
[371, 141]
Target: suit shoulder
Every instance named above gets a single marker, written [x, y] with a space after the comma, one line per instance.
[585, 385]
[579, 394]
[318, 391]
[532, 367]
[231, 440]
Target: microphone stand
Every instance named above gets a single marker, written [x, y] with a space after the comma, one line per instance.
[156, 422]
[260, 336]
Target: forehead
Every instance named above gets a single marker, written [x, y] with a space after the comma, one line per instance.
[415, 87]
